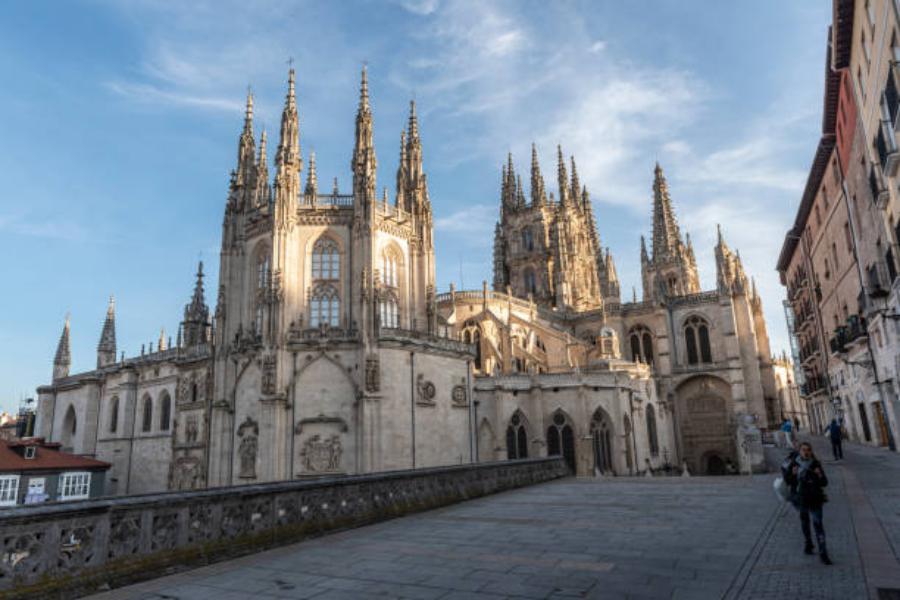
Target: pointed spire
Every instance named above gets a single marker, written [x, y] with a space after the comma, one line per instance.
[520, 192]
[538, 194]
[644, 256]
[63, 359]
[575, 192]
[334, 188]
[179, 340]
[562, 177]
[402, 175]
[666, 235]
[196, 314]
[161, 344]
[263, 194]
[364, 163]
[106, 348]
[246, 150]
[509, 184]
[611, 276]
[364, 90]
[288, 154]
[413, 122]
[312, 182]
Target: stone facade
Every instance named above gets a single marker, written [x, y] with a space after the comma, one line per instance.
[329, 351]
[840, 259]
[616, 387]
[321, 356]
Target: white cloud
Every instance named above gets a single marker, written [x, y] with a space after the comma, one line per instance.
[597, 47]
[150, 94]
[57, 230]
[420, 7]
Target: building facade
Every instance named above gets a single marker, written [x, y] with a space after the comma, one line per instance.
[330, 352]
[839, 261]
[563, 365]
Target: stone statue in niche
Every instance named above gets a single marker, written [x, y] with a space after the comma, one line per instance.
[321, 454]
[249, 434]
[187, 474]
[268, 375]
[191, 430]
[372, 375]
[426, 390]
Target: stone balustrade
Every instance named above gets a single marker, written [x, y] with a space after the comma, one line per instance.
[65, 550]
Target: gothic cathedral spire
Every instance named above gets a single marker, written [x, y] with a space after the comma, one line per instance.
[246, 147]
[196, 314]
[364, 163]
[63, 359]
[666, 236]
[538, 194]
[288, 162]
[106, 348]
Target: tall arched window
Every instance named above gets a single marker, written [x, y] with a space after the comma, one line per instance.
[530, 281]
[390, 312]
[165, 411]
[325, 306]
[262, 270]
[326, 259]
[113, 414]
[652, 438]
[516, 437]
[602, 435]
[561, 439]
[527, 240]
[147, 422]
[390, 271]
[641, 342]
[69, 428]
[696, 339]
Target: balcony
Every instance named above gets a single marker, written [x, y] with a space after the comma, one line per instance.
[888, 154]
[880, 193]
[855, 330]
[837, 343]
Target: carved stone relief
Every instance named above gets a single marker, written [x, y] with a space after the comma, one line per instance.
[247, 450]
[459, 395]
[322, 454]
[426, 391]
[373, 383]
[269, 385]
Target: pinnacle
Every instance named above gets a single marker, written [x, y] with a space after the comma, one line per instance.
[364, 90]
[413, 122]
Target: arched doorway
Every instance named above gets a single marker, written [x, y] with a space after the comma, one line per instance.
[715, 465]
[561, 439]
[704, 418]
[601, 438]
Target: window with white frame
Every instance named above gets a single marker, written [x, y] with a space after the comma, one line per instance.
[9, 489]
[75, 485]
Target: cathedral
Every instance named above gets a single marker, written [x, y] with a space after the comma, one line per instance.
[329, 351]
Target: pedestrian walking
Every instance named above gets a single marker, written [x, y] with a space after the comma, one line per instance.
[834, 432]
[787, 428]
[807, 481]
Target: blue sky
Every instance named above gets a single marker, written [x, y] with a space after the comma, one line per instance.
[120, 123]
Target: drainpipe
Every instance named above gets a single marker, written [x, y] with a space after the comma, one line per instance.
[473, 415]
[412, 403]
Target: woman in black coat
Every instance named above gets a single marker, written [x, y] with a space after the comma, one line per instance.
[807, 480]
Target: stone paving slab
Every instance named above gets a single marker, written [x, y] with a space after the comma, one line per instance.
[687, 539]
[610, 538]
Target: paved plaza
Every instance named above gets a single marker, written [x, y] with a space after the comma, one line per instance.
[698, 537]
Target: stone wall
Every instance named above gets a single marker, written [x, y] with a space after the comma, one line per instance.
[70, 549]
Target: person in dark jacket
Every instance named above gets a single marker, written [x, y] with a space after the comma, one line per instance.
[834, 433]
[807, 481]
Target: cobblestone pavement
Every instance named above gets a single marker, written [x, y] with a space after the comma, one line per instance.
[677, 538]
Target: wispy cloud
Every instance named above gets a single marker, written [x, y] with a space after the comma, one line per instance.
[149, 94]
[56, 230]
